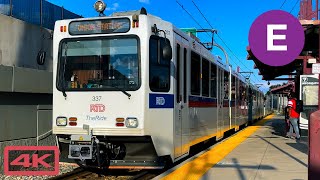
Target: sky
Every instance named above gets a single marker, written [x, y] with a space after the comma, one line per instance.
[231, 18]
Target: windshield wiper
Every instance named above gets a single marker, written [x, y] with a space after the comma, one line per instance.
[62, 80]
[119, 89]
[122, 90]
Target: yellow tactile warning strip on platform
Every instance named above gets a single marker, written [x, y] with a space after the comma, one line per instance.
[196, 168]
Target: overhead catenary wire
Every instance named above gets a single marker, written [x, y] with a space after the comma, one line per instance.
[219, 35]
[221, 39]
[294, 6]
[207, 22]
[282, 4]
[191, 16]
[197, 21]
[202, 14]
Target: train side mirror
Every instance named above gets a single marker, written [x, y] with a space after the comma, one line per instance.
[167, 52]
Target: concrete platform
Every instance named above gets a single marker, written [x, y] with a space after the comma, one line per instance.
[258, 152]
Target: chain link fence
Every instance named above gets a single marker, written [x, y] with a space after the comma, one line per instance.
[39, 12]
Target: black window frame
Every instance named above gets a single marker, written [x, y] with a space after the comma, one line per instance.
[195, 81]
[178, 77]
[60, 69]
[233, 87]
[160, 63]
[213, 89]
[226, 85]
[185, 53]
[205, 79]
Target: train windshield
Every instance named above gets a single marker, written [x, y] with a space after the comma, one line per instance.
[99, 64]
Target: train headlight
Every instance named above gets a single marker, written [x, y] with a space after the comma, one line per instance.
[131, 122]
[99, 6]
[61, 121]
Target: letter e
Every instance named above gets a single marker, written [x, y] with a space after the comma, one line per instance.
[271, 37]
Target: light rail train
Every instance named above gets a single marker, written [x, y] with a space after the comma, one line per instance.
[132, 90]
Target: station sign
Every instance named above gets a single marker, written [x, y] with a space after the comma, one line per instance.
[276, 38]
[99, 26]
[316, 68]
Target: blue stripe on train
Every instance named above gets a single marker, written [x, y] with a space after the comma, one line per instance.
[161, 100]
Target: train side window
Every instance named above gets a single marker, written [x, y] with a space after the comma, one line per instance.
[241, 90]
[195, 74]
[178, 74]
[238, 90]
[205, 77]
[185, 75]
[159, 68]
[213, 79]
[233, 88]
[226, 84]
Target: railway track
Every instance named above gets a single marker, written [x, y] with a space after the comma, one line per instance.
[145, 175]
[80, 173]
[76, 174]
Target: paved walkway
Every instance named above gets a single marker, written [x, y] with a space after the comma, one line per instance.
[264, 154]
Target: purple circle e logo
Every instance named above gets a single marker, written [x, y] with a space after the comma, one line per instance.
[276, 38]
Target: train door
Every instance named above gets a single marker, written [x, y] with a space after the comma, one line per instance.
[220, 97]
[181, 110]
[184, 101]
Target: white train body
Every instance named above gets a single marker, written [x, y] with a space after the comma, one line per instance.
[166, 113]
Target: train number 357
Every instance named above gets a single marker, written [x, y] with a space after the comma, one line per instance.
[96, 98]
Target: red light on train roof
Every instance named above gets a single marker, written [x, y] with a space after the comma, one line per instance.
[135, 21]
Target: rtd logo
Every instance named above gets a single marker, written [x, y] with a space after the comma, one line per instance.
[31, 160]
[160, 101]
[97, 108]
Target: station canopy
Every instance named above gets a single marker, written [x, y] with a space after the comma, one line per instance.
[311, 49]
[284, 89]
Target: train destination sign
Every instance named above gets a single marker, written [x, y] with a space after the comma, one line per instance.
[100, 26]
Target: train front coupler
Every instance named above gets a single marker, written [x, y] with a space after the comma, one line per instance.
[88, 151]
